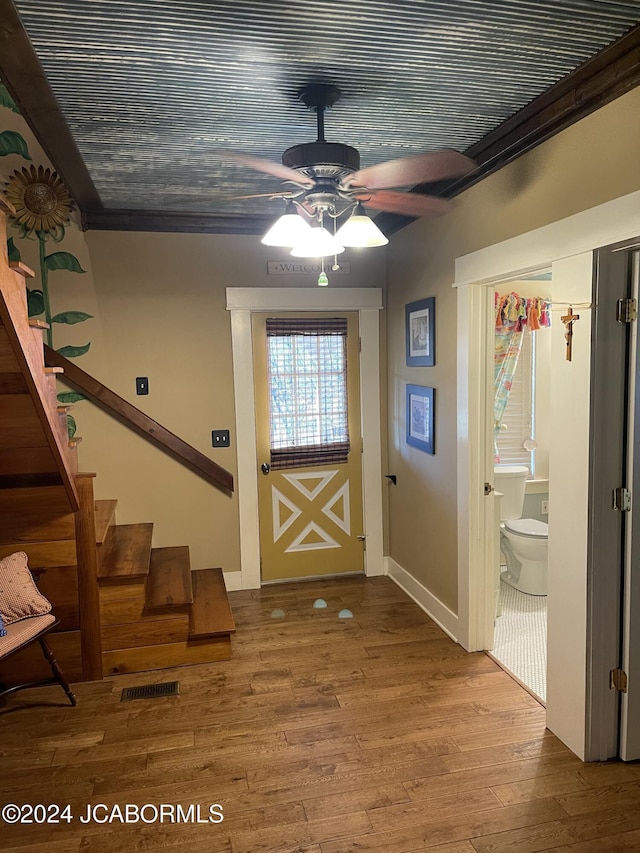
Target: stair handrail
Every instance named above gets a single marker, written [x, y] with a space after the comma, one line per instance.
[140, 423]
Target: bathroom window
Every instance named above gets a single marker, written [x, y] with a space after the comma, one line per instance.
[519, 415]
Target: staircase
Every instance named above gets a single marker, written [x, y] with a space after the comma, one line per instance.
[155, 611]
[123, 605]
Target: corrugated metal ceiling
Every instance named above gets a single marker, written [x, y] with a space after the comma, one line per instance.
[155, 90]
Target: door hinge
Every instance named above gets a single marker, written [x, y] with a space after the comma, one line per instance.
[618, 680]
[359, 344]
[621, 499]
[488, 488]
[626, 310]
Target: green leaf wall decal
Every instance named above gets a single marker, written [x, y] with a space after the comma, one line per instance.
[35, 302]
[71, 317]
[13, 251]
[70, 397]
[6, 100]
[63, 261]
[71, 426]
[73, 352]
[12, 143]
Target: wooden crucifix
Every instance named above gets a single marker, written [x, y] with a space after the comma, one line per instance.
[568, 320]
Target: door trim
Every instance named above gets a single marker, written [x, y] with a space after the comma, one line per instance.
[241, 302]
[606, 224]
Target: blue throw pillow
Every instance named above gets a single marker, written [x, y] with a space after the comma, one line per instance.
[3, 630]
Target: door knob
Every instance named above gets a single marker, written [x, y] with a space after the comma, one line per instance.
[265, 467]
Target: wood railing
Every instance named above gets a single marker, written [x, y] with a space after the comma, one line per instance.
[132, 417]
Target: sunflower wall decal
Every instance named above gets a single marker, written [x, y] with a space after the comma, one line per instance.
[44, 209]
[41, 201]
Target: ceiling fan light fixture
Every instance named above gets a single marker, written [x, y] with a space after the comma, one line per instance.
[360, 231]
[318, 243]
[289, 230]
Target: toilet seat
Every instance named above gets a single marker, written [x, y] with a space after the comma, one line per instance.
[528, 527]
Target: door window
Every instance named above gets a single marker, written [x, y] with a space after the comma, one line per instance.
[307, 387]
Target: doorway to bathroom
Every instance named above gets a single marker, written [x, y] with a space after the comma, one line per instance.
[582, 709]
[521, 381]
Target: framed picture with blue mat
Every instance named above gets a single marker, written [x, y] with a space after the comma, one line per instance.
[420, 332]
[420, 417]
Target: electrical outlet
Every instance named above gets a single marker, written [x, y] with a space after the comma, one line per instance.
[142, 384]
[544, 507]
[220, 438]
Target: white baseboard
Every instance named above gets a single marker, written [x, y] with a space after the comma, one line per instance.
[233, 581]
[432, 606]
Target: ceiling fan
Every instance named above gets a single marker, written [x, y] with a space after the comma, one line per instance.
[327, 182]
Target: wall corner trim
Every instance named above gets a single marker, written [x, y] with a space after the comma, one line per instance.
[233, 581]
[426, 600]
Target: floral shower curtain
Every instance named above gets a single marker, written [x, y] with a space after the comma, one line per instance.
[514, 314]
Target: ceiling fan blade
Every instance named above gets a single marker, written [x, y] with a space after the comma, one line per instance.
[409, 204]
[409, 171]
[271, 168]
[285, 194]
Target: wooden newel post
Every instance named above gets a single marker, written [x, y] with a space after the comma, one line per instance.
[88, 593]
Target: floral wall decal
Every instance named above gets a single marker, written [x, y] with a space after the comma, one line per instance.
[43, 209]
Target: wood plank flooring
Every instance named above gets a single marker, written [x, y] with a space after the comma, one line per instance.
[375, 733]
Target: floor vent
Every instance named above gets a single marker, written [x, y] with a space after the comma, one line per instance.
[151, 691]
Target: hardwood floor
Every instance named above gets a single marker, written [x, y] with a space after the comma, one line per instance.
[320, 735]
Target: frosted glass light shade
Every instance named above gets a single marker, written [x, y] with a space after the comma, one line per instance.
[318, 243]
[360, 231]
[287, 231]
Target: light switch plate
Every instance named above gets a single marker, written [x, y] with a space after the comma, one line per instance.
[220, 438]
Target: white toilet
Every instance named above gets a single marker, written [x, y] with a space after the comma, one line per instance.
[523, 541]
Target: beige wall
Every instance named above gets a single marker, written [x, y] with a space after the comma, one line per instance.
[589, 163]
[161, 314]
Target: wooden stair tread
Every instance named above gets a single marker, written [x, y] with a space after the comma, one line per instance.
[125, 555]
[21, 269]
[104, 512]
[211, 614]
[169, 581]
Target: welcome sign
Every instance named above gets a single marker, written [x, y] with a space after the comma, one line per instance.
[303, 267]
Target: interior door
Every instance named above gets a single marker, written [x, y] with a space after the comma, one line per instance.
[630, 700]
[309, 500]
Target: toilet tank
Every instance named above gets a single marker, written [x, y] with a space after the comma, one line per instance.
[510, 480]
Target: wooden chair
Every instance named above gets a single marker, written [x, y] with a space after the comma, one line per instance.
[19, 636]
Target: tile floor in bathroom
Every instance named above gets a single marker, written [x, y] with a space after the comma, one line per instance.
[521, 638]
